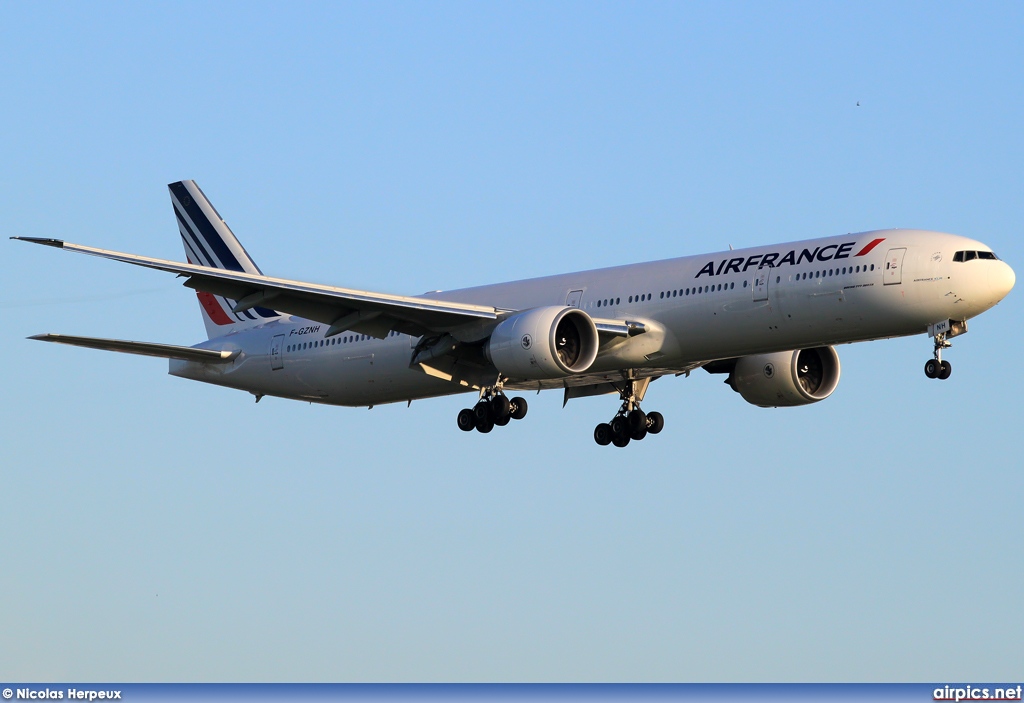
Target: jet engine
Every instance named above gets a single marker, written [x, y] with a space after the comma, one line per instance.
[544, 343]
[786, 378]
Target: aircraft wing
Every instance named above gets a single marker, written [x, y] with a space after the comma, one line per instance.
[164, 351]
[370, 313]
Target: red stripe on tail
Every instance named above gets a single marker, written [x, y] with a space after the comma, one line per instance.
[213, 308]
[870, 246]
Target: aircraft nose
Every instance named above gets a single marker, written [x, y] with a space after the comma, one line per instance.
[1002, 281]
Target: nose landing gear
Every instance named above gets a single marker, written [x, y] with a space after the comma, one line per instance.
[630, 422]
[937, 368]
[942, 331]
[493, 408]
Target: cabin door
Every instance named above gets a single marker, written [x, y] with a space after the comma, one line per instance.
[276, 357]
[762, 279]
[893, 272]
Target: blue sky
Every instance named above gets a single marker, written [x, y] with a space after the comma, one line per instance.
[157, 529]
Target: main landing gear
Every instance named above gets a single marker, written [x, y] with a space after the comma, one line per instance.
[630, 422]
[937, 368]
[492, 409]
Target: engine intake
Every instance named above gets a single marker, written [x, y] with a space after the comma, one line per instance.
[544, 343]
[788, 378]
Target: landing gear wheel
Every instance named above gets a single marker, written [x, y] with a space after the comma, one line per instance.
[518, 408]
[637, 423]
[630, 422]
[945, 369]
[932, 368]
[484, 426]
[503, 420]
[620, 430]
[620, 427]
[467, 420]
[500, 407]
[482, 411]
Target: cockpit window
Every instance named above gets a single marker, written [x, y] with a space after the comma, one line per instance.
[971, 255]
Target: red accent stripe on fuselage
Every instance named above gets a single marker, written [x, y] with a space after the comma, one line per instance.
[874, 243]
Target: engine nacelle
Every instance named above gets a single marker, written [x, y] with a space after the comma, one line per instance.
[787, 378]
[544, 343]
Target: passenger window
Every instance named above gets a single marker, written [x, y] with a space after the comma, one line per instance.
[872, 267]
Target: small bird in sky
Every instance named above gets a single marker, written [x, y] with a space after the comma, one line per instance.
[858, 103]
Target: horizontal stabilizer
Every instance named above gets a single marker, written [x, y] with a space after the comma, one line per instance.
[165, 351]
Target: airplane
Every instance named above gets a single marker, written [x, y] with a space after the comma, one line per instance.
[768, 318]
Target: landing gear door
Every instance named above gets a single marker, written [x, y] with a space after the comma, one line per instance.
[893, 271]
[276, 347]
[761, 281]
[573, 299]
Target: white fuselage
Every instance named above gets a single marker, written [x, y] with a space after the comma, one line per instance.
[695, 309]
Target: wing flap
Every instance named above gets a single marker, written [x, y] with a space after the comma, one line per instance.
[165, 351]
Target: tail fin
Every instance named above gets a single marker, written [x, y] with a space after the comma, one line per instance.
[210, 242]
